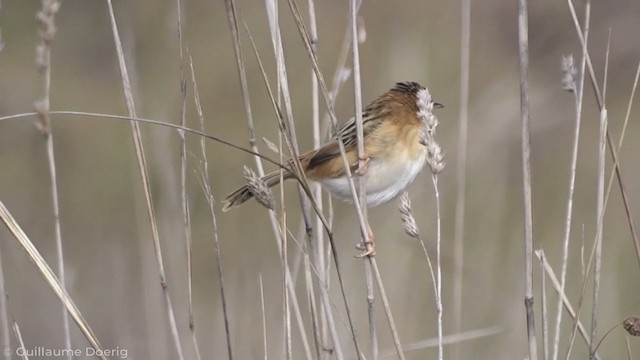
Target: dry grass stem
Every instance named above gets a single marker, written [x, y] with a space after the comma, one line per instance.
[565, 300]
[405, 208]
[142, 168]
[317, 246]
[18, 334]
[186, 216]
[614, 154]
[411, 228]
[545, 318]
[602, 148]
[435, 160]
[434, 178]
[47, 30]
[50, 277]
[366, 242]
[4, 313]
[447, 340]
[301, 177]
[523, 42]
[461, 170]
[575, 86]
[206, 186]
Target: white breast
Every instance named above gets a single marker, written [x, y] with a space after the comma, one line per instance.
[384, 180]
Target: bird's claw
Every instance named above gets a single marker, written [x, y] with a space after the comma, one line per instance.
[368, 248]
[363, 165]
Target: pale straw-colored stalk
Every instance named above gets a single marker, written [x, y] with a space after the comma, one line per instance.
[523, 41]
[47, 29]
[142, 168]
[577, 88]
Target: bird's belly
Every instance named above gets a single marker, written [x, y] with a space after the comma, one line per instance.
[384, 180]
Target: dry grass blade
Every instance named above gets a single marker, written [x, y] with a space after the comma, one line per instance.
[142, 168]
[563, 297]
[523, 41]
[447, 340]
[50, 277]
[47, 29]
[152, 122]
[366, 242]
[545, 318]
[233, 25]
[304, 185]
[209, 197]
[264, 320]
[458, 236]
[570, 84]
[602, 148]
[18, 335]
[614, 154]
[186, 216]
[4, 313]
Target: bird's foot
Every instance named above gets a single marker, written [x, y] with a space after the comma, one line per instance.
[363, 165]
[368, 247]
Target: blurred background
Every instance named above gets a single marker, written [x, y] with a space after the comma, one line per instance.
[112, 272]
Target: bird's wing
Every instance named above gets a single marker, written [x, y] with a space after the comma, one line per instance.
[349, 137]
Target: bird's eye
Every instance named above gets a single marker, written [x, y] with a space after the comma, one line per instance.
[437, 105]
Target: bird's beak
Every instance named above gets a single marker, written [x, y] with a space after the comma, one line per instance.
[437, 105]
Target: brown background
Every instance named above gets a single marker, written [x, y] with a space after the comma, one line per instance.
[112, 273]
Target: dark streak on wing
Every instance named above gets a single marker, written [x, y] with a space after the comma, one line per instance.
[348, 135]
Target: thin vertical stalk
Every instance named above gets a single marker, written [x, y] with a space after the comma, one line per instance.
[186, 216]
[206, 185]
[264, 320]
[233, 26]
[50, 277]
[610, 143]
[361, 186]
[142, 167]
[545, 322]
[458, 236]
[18, 334]
[46, 24]
[318, 245]
[4, 314]
[523, 41]
[600, 204]
[561, 294]
[434, 178]
[578, 99]
[602, 143]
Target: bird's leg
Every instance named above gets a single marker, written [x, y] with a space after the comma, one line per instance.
[369, 246]
[363, 165]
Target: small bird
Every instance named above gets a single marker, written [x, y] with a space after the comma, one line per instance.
[394, 147]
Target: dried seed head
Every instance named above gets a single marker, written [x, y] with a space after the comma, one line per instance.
[259, 189]
[425, 109]
[632, 325]
[410, 226]
[569, 73]
[435, 156]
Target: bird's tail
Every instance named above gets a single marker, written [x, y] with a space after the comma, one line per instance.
[243, 194]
